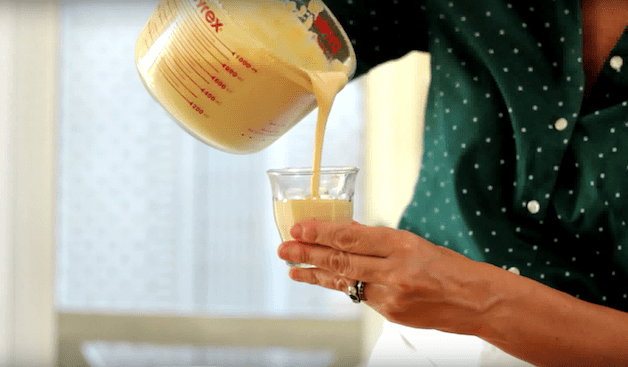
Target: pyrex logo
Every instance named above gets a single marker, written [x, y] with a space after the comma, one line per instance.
[328, 34]
[210, 16]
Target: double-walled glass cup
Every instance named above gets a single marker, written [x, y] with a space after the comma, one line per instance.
[293, 201]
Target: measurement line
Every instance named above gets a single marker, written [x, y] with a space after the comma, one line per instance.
[201, 55]
[186, 42]
[193, 33]
[172, 84]
[182, 55]
[177, 64]
[225, 46]
[165, 63]
[153, 31]
[208, 31]
[156, 22]
[195, 28]
[188, 54]
[208, 51]
[173, 7]
[165, 23]
[164, 60]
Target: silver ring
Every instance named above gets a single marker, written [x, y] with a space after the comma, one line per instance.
[356, 291]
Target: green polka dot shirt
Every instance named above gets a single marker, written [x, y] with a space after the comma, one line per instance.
[518, 168]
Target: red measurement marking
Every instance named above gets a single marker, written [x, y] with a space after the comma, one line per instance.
[173, 84]
[230, 70]
[196, 28]
[219, 82]
[179, 49]
[214, 35]
[209, 95]
[192, 31]
[179, 80]
[197, 108]
[184, 73]
[245, 63]
[200, 54]
[181, 54]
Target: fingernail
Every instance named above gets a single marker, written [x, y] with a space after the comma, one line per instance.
[287, 252]
[294, 274]
[282, 251]
[296, 232]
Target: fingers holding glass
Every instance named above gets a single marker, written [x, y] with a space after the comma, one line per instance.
[352, 238]
[369, 269]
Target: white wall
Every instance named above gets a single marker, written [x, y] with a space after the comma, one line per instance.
[395, 104]
[396, 97]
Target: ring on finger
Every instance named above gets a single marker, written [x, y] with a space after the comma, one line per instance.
[356, 292]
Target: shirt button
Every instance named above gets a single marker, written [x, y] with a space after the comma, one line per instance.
[514, 270]
[617, 62]
[561, 124]
[534, 207]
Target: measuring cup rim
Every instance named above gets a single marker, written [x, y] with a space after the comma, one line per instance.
[308, 170]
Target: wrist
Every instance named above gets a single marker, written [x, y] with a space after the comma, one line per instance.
[485, 297]
[508, 292]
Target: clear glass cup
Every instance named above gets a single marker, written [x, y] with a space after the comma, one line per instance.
[293, 200]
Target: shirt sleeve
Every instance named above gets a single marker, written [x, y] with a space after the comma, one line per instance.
[381, 30]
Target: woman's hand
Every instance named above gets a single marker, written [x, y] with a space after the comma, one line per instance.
[409, 280]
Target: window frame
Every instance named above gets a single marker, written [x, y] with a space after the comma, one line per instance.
[27, 188]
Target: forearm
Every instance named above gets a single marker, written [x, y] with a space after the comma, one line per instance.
[549, 328]
[412, 282]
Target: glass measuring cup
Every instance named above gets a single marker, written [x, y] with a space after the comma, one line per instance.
[234, 74]
[293, 201]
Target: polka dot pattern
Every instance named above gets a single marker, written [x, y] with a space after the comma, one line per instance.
[519, 169]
